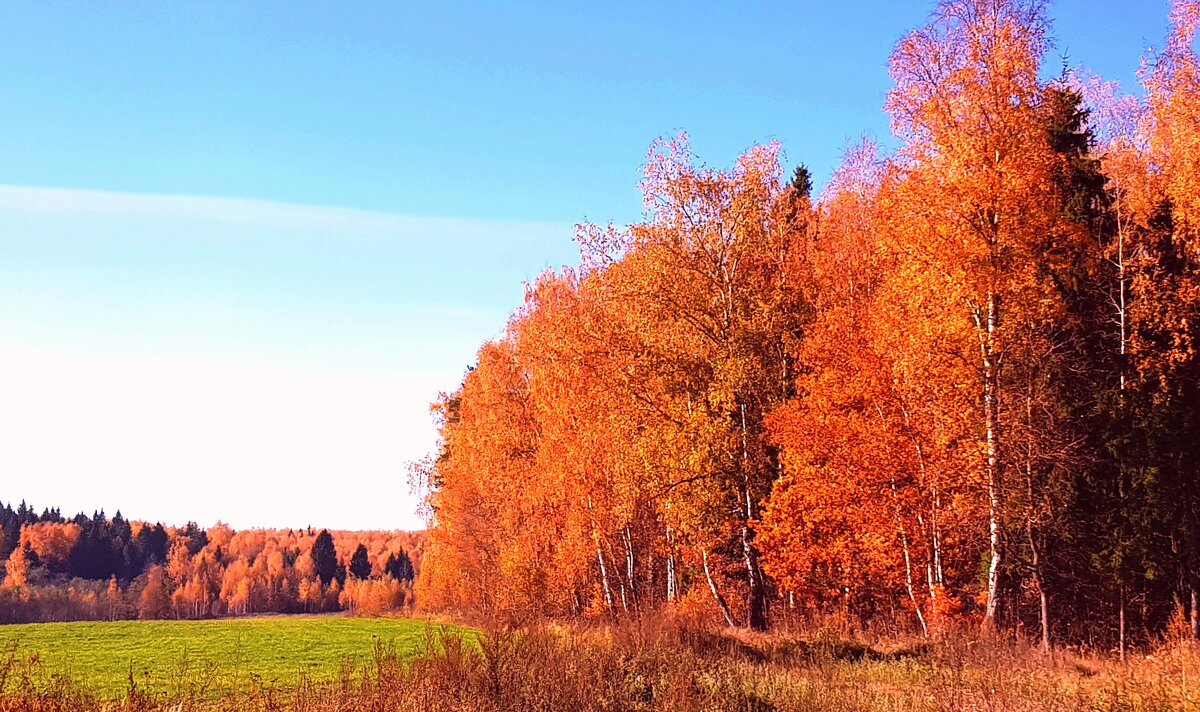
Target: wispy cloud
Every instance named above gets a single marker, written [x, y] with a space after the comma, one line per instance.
[265, 214]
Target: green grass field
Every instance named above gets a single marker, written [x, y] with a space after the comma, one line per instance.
[211, 656]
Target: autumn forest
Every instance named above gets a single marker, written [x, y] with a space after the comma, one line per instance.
[108, 568]
[958, 389]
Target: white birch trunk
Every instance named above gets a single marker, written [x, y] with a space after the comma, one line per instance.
[712, 587]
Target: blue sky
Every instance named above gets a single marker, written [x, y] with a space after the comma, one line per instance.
[360, 191]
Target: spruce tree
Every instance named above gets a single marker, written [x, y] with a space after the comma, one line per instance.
[360, 564]
[399, 566]
[324, 557]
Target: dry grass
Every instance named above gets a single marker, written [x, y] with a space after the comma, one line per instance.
[671, 665]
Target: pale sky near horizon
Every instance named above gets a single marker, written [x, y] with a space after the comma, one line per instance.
[243, 246]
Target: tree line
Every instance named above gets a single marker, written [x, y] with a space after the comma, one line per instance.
[961, 387]
[105, 568]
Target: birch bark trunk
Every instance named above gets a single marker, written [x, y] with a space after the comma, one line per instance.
[986, 325]
[712, 587]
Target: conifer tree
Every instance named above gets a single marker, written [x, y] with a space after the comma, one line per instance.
[324, 557]
[360, 563]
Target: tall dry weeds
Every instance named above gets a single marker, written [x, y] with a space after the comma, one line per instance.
[665, 664]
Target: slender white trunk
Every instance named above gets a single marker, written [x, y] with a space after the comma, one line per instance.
[903, 530]
[908, 574]
[672, 581]
[1122, 348]
[986, 327]
[1121, 287]
[756, 595]
[630, 579]
[604, 583]
[712, 587]
[1121, 621]
[608, 599]
[937, 538]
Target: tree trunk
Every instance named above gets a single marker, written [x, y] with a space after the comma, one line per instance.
[672, 580]
[1193, 584]
[903, 529]
[1035, 560]
[908, 573]
[756, 596]
[608, 599]
[1189, 547]
[939, 574]
[1121, 621]
[1195, 602]
[1121, 290]
[1043, 600]
[987, 331]
[630, 567]
[712, 586]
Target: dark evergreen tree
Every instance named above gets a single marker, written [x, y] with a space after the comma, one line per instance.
[1097, 544]
[96, 554]
[32, 557]
[133, 559]
[1063, 379]
[324, 557]
[197, 538]
[153, 542]
[399, 566]
[10, 535]
[120, 528]
[802, 181]
[360, 563]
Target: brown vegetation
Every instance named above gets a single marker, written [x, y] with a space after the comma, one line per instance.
[664, 665]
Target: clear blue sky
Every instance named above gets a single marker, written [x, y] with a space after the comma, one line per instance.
[189, 358]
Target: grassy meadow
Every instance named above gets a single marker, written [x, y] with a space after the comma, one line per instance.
[210, 657]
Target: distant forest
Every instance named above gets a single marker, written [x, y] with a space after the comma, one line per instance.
[959, 388]
[101, 568]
